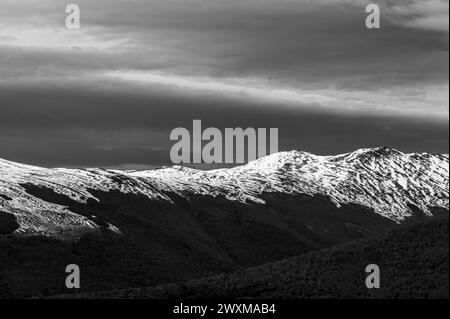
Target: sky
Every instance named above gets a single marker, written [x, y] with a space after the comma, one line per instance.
[109, 94]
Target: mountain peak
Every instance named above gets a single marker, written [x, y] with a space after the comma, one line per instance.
[280, 159]
[381, 179]
[382, 150]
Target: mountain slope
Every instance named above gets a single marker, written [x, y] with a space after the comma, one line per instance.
[391, 183]
[129, 228]
[414, 263]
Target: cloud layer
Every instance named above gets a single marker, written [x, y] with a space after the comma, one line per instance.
[136, 69]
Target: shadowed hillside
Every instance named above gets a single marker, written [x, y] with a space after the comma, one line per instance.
[162, 243]
[414, 263]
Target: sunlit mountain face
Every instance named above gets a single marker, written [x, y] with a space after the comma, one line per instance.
[392, 184]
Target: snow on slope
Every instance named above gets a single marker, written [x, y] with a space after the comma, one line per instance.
[383, 179]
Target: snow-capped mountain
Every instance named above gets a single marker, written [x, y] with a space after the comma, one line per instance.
[385, 180]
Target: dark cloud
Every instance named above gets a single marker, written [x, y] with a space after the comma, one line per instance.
[353, 87]
[120, 129]
[312, 44]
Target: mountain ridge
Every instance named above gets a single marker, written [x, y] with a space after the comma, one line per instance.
[390, 182]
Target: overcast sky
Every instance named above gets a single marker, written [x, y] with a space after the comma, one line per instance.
[109, 93]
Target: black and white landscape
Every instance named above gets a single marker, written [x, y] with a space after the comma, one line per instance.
[92, 91]
[131, 229]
